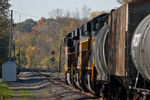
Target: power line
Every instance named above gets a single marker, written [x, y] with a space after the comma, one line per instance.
[27, 14]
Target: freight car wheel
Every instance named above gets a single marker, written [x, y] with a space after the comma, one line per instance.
[102, 92]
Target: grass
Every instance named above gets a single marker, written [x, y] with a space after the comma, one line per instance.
[27, 95]
[61, 75]
[44, 93]
[6, 91]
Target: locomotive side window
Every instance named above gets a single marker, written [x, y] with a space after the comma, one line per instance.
[84, 30]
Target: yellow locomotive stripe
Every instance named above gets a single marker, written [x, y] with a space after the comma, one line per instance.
[93, 65]
[72, 71]
[80, 71]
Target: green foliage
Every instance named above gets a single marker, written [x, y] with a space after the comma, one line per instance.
[4, 31]
[25, 93]
[26, 26]
[6, 91]
[44, 93]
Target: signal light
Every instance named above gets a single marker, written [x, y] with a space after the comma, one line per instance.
[52, 59]
[53, 52]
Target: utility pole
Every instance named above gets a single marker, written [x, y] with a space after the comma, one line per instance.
[19, 58]
[60, 58]
[11, 36]
[9, 70]
[14, 46]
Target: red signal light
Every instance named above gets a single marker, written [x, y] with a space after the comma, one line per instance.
[53, 52]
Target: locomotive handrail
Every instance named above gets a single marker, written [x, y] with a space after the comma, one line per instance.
[77, 52]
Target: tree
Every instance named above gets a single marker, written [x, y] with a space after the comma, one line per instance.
[95, 14]
[86, 12]
[47, 35]
[56, 13]
[32, 55]
[4, 31]
[39, 27]
[26, 26]
[76, 13]
[67, 14]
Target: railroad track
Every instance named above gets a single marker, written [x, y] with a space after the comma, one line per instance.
[61, 82]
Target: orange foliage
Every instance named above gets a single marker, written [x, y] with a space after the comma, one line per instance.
[40, 23]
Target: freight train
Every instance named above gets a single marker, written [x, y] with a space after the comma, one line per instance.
[109, 56]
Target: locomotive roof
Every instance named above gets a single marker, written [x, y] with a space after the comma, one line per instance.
[94, 19]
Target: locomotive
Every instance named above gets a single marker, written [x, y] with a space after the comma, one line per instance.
[109, 55]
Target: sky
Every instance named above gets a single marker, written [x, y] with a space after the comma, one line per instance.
[35, 9]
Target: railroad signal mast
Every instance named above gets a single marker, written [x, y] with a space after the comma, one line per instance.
[52, 58]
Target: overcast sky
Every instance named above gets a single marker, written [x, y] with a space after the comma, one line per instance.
[36, 9]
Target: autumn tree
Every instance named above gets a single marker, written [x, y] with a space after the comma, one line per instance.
[95, 14]
[32, 55]
[37, 28]
[46, 35]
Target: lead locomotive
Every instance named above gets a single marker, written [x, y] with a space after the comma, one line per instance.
[110, 55]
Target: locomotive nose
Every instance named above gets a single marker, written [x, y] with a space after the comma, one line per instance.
[140, 48]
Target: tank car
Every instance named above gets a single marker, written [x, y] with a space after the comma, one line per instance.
[110, 55]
